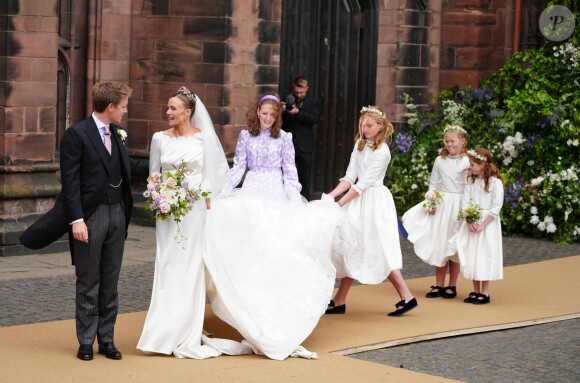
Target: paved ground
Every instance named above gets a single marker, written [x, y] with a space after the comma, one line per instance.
[40, 288]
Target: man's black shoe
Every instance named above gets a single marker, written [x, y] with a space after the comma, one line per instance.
[109, 350]
[85, 352]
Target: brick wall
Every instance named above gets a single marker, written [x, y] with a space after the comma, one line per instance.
[449, 42]
[28, 65]
[408, 54]
[227, 52]
[476, 40]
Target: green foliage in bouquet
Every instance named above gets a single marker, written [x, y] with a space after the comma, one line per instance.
[471, 213]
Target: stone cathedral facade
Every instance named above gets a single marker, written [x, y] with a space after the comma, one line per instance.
[354, 53]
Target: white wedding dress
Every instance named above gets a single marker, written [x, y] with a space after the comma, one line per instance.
[175, 318]
[269, 254]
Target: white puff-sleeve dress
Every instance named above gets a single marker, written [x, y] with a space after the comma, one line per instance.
[430, 234]
[481, 254]
[373, 212]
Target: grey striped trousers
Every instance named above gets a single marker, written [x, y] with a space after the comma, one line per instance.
[97, 267]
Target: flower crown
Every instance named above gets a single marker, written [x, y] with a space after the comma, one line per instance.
[187, 93]
[454, 127]
[370, 109]
[473, 153]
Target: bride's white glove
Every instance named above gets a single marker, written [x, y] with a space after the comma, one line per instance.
[326, 197]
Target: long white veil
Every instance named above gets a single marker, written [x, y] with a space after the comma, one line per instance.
[215, 166]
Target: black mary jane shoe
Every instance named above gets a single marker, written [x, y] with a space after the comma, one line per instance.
[435, 294]
[472, 296]
[404, 307]
[450, 295]
[110, 351]
[334, 309]
[85, 352]
[481, 299]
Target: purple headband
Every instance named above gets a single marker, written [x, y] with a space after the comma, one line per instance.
[268, 97]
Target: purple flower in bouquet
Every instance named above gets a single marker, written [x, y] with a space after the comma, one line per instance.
[169, 195]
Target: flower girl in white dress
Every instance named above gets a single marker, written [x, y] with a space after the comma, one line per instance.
[430, 228]
[370, 207]
[479, 243]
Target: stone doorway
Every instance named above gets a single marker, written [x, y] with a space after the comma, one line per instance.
[334, 45]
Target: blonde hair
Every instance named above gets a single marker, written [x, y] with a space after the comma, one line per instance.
[300, 82]
[489, 168]
[384, 133]
[459, 134]
[109, 92]
[253, 121]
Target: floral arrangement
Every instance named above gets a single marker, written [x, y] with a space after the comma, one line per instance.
[121, 133]
[169, 195]
[372, 110]
[527, 115]
[454, 127]
[472, 213]
[474, 154]
[433, 198]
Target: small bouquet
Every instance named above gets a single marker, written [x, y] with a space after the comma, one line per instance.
[472, 213]
[433, 198]
[169, 194]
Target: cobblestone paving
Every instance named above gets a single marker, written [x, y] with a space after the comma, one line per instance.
[543, 353]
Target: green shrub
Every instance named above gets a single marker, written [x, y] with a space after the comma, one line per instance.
[527, 115]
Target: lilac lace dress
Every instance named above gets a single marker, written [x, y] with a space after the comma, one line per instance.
[268, 252]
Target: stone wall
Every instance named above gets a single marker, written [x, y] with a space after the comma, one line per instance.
[28, 65]
[432, 45]
[476, 40]
[227, 52]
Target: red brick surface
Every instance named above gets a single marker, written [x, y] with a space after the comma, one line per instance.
[21, 148]
[19, 68]
[37, 8]
[43, 69]
[14, 119]
[462, 35]
[31, 94]
[469, 16]
[26, 44]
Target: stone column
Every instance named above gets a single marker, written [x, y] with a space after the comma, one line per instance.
[407, 54]
[28, 90]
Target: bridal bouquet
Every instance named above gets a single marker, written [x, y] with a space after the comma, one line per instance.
[169, 195]
[433, 198]
[472, 213]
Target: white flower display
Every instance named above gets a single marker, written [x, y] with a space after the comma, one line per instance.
[534, 210]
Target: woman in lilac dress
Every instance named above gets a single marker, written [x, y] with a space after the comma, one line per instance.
[267, 251]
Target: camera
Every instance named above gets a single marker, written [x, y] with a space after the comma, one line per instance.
[290, 102]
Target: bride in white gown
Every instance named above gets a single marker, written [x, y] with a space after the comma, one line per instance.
[267, 253]
[176, 313]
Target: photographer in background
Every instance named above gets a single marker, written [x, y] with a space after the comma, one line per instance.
[301, 113]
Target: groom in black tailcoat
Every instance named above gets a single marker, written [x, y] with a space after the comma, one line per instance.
[94, 207]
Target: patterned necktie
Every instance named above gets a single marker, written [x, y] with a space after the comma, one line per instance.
[108, 138]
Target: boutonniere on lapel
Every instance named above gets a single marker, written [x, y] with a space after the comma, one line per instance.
[121, 133]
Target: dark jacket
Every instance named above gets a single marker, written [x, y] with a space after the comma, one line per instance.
[84, 162]
[301, 124]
